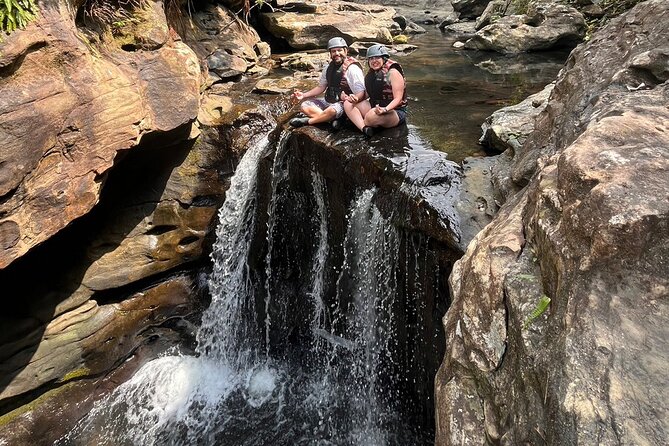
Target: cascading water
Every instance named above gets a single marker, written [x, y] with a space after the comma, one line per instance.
[320, 258]
[336, 385]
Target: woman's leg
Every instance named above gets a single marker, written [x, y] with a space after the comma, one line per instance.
[357, 112]
[386, 120]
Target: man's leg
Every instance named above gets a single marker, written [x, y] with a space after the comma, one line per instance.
[310, 109]
[326, 115]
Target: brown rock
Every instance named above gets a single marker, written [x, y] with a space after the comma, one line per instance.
[87, 108]
[351, 21]
[92, 339]
[589, 237]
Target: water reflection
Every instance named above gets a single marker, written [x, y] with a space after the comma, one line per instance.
[453, 91]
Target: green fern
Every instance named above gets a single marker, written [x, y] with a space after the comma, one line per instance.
[541, 307]
[16, 14]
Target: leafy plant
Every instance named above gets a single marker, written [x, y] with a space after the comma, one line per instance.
[109, 12]
[541, 307]
[15, 14]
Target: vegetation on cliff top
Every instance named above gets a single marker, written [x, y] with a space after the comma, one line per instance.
[15, 14]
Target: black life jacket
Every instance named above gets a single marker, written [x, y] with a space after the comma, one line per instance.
[336, 78]
[377, 84]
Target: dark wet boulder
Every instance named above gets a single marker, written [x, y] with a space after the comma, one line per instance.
[423, 180]
[469, 9]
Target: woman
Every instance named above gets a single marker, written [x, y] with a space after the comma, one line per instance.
[386, 90]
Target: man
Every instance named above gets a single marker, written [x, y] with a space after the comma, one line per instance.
[341, 80]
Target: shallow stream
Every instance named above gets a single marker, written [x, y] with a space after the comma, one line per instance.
[454, 91]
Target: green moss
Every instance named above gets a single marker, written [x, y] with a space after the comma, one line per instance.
[78, 373]
[401, 38]
[9, 417]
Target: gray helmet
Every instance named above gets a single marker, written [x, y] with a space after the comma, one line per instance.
[377, 50]
[337, 42]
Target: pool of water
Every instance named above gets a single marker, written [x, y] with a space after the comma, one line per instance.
[453, 91]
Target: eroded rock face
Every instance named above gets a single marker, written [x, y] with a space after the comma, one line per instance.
[629, 61]
[589, 231]
[54, 413]
[312, 28]
[66, 116]
[91, 339]
[546, 25]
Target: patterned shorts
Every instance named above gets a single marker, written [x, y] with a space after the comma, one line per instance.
[323, 104]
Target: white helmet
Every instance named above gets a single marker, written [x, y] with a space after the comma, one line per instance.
[337, 42]
[376, 51]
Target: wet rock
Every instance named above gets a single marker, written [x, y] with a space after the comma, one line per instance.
[556, 331]
[546, 25]
[229, 47]
[463, 30]
[90, 339]
[312, 30]
[423, 179]
[275, 86]
[52, 414]
[154, 216]
[469, 9]
[476, 205]
[404, 48]
[401, 21]
[413, 28]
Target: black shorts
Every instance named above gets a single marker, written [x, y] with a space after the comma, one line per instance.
[402, 114]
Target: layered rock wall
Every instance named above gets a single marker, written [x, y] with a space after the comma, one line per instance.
[116, 149]
[557, 331]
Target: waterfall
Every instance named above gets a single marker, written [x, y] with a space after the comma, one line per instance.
[173, 399]
[320, 258]
[371, 246]
[337, 388]
[223, 335]
[278, 174]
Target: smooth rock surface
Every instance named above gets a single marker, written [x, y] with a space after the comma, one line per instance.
[588, 235]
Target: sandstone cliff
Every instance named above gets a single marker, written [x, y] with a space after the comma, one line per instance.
[108, 200]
